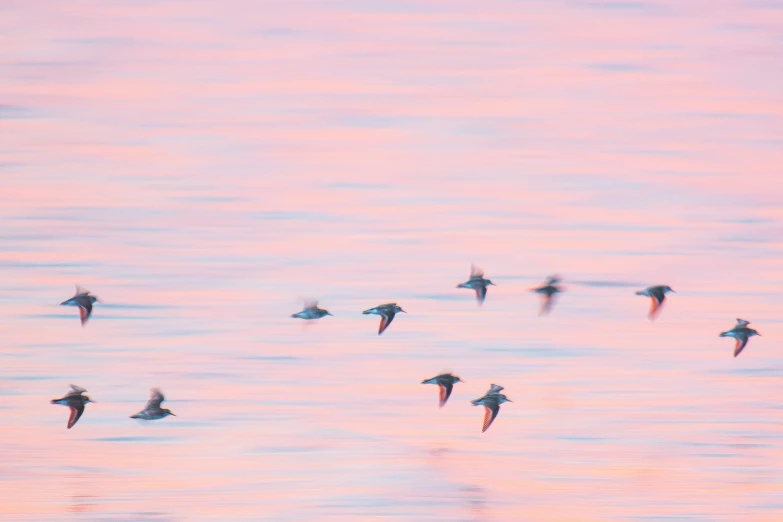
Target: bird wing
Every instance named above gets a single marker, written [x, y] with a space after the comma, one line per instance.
[76, 390]
[77, 408]
[546, 304]
[481, 293]
[741, 323]
[740, 344]
[476, 272]
[445, 392]
[655, 307]
[495, 388]
[85, 309]
[490, 412]
[386, 319]
[156, 397]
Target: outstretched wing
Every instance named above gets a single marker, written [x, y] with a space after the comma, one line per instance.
[156, 397]
[445, 393]
[481, 293]
[546, 304]
[476, 271]
[77, 408]
[741, 323]
[494, 388]
[655, 307]
[386, 319]
[739, 345]
[85, 309]
[490, 412]
[76, 390]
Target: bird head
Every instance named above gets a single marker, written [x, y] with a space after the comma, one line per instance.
[397, 308]
[166, 411]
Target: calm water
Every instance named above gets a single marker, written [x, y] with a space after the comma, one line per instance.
[203, 170]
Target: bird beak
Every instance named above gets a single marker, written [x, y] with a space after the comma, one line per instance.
[327, 313]
[172, 414]
[403, 311]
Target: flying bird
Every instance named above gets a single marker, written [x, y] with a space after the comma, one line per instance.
[84, 300]
[477, 283]
[75, 401]
[741, 333]
[491, 402]
[311, 311]
[658, 295]
[548, 291]
[445, 382]
[387, 312]
[153, 410]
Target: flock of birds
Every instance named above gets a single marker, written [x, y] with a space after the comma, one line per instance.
[84, 300]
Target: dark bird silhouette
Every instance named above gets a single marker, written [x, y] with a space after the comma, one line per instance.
[491, 402]
[658, 295]
[445, 382]
[387, 312]
[75, 400]
[153, 410]
[741, 333]
[477, 283]
[548, 292]
[84, 300]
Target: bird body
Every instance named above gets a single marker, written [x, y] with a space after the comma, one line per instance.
[491, 402]
[445, 382]
[75, 400]
[477, 283]
[741, 333]
[387, 312]
[152, 410]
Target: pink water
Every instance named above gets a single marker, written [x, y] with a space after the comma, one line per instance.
[203, 167]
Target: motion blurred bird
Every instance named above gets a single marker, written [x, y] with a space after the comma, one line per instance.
[548, 291]
[658, 295]
[75, 401]
[387, 312]
[445, 382]
[153, 410]
[84, 300]
[491, 402]
[741, 333]
[311, 311]
[477, 283]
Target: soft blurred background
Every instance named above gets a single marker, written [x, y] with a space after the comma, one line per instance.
[203, 167]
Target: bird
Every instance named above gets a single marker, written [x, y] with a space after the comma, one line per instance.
[311, 311]
[548, 291]
[387, 312]
[491, 402]
[741, 333]
[658, 295]
[84, 300]
[75, 401]
[445, 382]
[153, 410]
[477, 283]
